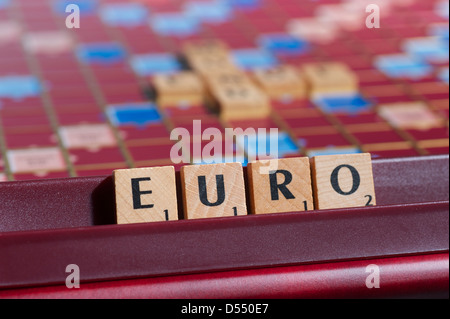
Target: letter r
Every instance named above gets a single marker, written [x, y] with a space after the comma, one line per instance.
[275, 187]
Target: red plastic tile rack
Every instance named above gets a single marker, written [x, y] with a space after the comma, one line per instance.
[47, 225]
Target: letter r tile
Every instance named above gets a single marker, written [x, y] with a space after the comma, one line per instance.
[280, 186]
[146, 195]
[216, 190]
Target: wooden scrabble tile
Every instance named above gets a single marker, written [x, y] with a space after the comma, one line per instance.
[146, 195]
[280, 186]
[341, 181]
[241, 102]
[215, 190]
[281, 82]
[207, 65]
[325, 78]
[183, 88]
[412, 115]
[204, 48]
[228, 78]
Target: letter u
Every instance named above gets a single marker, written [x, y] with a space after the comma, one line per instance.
[203, 192]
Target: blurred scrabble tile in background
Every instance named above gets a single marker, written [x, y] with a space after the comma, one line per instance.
[241, 102]
[342, 181]
[182, 88]
[207, 65]
[280, 186]
[330, 77]
[146, 195]
[228, 78]
[215, 190]
[208, 57]
[207, 47]
[281, 82]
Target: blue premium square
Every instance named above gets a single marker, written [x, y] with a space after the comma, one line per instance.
[431, 49]
[343, 103]
[334, 151]
[150, 64]
[133, 114]
[124, 14]
[283, 44]
[441, 31]
[444, 75]
[210, 12]
[244, 4]
[269, 145]
[19, 87]
[87, 7]
[403, 66]
[174, 24]
[4, 4]
[251, 59]
[101, 53]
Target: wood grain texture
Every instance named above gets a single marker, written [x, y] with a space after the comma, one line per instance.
[216, 190]
[280, 186]
[145, 195]
[341, 181]
[331, 77]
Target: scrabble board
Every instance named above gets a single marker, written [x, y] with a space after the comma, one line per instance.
[80, 102]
